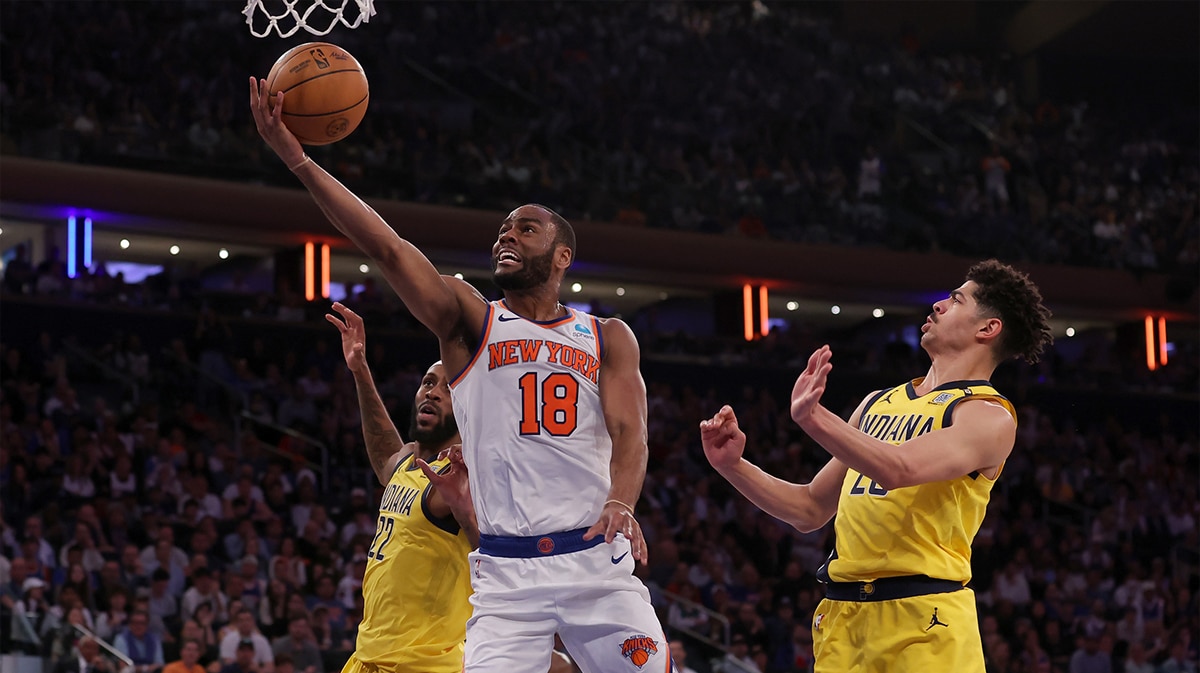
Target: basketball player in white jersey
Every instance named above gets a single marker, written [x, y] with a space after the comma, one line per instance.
[551, 407]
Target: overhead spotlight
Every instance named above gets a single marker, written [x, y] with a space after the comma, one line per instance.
[620, 292]
[576, 287]
[792, 306]
[174, 250]
[835, 309]
[364, 268]
[1070, 331]
[223, 253]
[458, 276]
[124, 243]
[1, 230]
[878, 313]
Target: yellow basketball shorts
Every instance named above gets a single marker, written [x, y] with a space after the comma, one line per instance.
[449, 663]
[931, 633]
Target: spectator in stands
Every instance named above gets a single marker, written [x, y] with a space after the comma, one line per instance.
[86, 657]
[273, 609]
[679, 655]
[737, 660]
[245, 630]
[115, 617]
[299, 646]
[43, 550]
[165, 564]
[133, 573]
[244, 660]
[140, 644]
[18, 272]
[189, 659]
[204, 589]
[287, 567]
[31, 617]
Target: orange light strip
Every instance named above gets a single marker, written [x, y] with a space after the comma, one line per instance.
[325, 270]
[763, 327]
[1151, 364]
[309, 274]
[748, 312]
[1162, 341]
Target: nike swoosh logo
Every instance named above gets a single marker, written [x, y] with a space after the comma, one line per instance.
[618, 559]
[504, 317]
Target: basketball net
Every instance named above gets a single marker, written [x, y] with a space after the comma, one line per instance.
[325, 15]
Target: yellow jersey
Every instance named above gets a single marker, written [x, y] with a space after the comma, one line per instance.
[417, 583]
[916, 530]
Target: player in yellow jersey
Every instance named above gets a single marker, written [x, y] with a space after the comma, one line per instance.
[909, 483]
[417, 582]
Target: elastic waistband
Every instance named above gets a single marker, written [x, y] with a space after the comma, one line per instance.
[889, 588]
[534, 546]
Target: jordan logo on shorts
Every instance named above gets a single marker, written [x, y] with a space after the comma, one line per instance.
[934, 621]
[638, 649]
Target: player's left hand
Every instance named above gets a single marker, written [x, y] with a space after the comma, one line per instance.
[453, 484]
[810, 386]
[616, 518]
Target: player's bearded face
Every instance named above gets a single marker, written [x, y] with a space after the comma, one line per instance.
[445, 428]
[535, 271]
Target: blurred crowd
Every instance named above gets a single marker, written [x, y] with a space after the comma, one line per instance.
[171, 516]
[735, 118]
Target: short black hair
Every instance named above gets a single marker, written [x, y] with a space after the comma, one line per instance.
[564, 233]
[1008, 294]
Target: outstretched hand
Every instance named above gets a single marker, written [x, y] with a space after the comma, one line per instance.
[810, 386]
[723, 441]
[268, 120]
[616, 518]
[453, 484]
[354, 336]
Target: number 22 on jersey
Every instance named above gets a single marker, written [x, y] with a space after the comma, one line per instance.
[551, 404]
[383, 533]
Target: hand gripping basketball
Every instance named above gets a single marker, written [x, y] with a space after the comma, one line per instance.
[267, 120]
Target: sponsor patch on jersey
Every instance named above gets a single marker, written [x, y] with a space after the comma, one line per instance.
[581, 332]
[942, 398]
[638, 648]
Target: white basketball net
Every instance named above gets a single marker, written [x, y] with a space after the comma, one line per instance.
[325, 15]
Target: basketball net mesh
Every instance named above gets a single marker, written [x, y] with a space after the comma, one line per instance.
[325, 15]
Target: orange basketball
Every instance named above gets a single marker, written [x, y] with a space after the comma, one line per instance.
[324, 89]
[639, 657]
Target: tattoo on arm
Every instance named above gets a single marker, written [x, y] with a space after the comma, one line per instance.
[379, 432]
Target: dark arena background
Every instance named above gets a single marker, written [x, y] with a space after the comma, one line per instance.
[748, 180]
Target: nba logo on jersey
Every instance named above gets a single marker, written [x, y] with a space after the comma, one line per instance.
[638, 649]
[817, 621]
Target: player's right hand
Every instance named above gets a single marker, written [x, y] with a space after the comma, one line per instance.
[723, 441]
[354, 336]
[269, 122]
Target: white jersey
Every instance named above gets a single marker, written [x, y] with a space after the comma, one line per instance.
[533, 432]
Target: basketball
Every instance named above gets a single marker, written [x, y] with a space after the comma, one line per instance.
[324, 89]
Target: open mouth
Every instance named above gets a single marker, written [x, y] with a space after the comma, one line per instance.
[507, 258]
[427, 412]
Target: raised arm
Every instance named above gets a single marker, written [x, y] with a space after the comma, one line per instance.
[623, 398]
[436, 301]
[805, 507]
[384, 444]
[980, 437]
